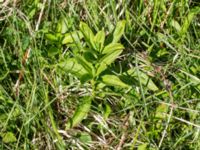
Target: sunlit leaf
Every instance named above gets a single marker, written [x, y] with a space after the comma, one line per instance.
[52, 37]
[175, 24]
[107, 111]
[160, 110]
[80, 113]
[99, 40]
[107, 60]
[143, 146]
[112, 47]
[188, 19]
[144, 79]
[72, 37]
[87, 33]
[119, 31]
[72, 66]
[62, 26]
[9, 137]
[85, 138]
[113, 80]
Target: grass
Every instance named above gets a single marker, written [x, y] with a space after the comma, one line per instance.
[161, 41]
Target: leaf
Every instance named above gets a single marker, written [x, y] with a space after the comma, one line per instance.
[175, 24]
[51, 37]
[80, 112]
[62, 26]
[85, 138]
[143, 146]
[9, 137]
[144, 79]
[89, 57]
[188, 19]
[194, 79]
[107, 60]
[99, 40]
[119, 31]
[85, 29]
[162, 108]
[73, 37]
[112, 47]
[52, 51]
[88, 66]
[162, 52]
[107, 111]
[113, 80]
[72, 66]
[88, 34]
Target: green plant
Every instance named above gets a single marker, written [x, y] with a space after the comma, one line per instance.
[90, 58]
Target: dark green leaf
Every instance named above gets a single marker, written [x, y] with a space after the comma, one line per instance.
[53, 51]
[89, 57]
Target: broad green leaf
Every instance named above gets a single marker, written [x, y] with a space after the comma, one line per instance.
[175, 24]
[85, 138]
[113, 80]
[88, 66]
[162, 108]
[99, 40]
[85, 29]
[80, 113]
[53, 51]
[87, 33]
[143, 146]
[89, 57]
[100, 86]
[107, 111]
[144, 79]
[119, 31]
[62, 25]
[9, 137]
[75, 36]
[52, 37]
[72, 66]
[93, 51]
[112, 47]
[106, 60]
